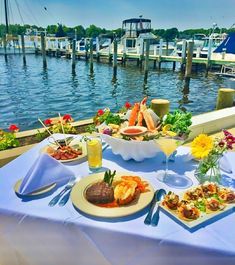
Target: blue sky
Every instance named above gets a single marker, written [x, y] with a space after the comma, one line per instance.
[109, 14]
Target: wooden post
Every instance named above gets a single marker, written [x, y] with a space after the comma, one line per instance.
[160, 106]
[174, 64]
[160, 54]
[91, 56]
[43, 50]
[97, 49]
[225, 98]
[23, 49]
[5, 47]
[209, 54]
[73, 55]
[114, 59]
[183, 54]
[124, 52]
[189, 60]
[109, 51]
[141, 53]
[146, 62]
[86, 49]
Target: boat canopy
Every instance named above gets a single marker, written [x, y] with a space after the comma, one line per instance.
[135, 26]
[227, 45]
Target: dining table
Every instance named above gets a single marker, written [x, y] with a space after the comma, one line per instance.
[33, 233]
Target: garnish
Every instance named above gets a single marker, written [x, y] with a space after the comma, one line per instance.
[179, 121]
[200, 204]
[109, 176]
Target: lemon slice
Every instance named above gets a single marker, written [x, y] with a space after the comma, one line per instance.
[170, 133]
[93, 142]
[166, 127]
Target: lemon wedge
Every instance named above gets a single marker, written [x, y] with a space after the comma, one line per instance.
[166, 127]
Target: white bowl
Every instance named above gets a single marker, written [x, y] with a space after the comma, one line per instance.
[137, 150]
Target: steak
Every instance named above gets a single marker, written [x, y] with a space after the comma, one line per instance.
[100, 192]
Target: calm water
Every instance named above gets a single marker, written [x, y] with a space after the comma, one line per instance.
[28, 93]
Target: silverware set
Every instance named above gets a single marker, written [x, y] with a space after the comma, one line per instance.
[150, 218]
[63, 196]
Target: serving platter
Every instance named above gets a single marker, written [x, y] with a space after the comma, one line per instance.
[204, 219]
[74, 144]
[80, 202]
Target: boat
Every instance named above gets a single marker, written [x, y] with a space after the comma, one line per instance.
[227, 71]
[226, 50]
[201, 44]
[135, 32]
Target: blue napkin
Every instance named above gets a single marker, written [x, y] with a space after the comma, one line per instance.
[44, 172]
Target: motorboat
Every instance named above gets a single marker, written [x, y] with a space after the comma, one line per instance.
[135, 32]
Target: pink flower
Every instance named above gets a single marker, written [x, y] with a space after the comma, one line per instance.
[48, 122]
[221, 143]
[13, 128]
[100, 112]
[67, 117]
[128, 105]
[226, 133]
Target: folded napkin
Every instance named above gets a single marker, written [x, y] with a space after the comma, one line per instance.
[45, 171]
[227, 163]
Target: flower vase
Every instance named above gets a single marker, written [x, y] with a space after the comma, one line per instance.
[209, 170]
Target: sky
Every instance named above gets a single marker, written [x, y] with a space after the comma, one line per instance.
[109, 14]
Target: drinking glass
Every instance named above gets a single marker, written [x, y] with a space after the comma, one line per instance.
[94, 153]
[168, 145]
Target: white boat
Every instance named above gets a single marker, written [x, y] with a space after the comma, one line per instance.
[201, 44]
[227, 71]
[136, 31]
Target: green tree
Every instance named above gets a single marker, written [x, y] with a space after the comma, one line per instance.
[92, 31]
[171, 34]
[80, 31]
[52, 29]
[60, 31]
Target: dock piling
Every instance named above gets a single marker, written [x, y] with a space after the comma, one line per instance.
[189, 61]
[97, 49]
[146, 62]
[225, 98]
[91, 59]
[114, 59]
[183, 54]
[23, 48]
[5, 46]
[43, 50]
[73, 54]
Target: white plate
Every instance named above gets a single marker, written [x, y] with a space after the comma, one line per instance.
[80, 202]
[34, 193]
[72, 144]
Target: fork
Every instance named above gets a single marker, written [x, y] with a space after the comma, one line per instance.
[69, 185]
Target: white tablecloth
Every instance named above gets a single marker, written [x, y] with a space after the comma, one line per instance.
[33, 233]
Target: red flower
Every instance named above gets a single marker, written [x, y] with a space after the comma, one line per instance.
[221, 143]
[226, 133]
[128, 105]
[67, 117]
[48, 122]
[100, 112]
[13, 128]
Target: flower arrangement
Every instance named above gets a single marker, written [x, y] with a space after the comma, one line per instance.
[8, 139]
[208, 151]
[54, 126]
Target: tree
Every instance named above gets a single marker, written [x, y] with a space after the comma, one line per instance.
[80, 31]
[171, 34]
[93, 31]
[52, 29]
[60, 32]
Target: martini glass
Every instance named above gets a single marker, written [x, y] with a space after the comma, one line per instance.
[168, 145]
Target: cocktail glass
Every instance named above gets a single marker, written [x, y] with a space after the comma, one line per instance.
[168, 145]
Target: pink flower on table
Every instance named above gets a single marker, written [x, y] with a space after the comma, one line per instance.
[48, 122]
[13, 128]
[128, 105]
[100, 112]
[226, 133]
[67, 117]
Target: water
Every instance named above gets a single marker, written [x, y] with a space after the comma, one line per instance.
[30, 92]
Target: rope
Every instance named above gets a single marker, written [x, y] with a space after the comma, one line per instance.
[19, 11]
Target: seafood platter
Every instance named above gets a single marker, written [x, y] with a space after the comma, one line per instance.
[131, 132]
[199, 204]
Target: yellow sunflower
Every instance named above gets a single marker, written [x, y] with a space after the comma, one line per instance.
[201, 146]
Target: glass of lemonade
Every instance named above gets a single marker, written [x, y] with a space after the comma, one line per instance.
[94, 153]
[168, 145]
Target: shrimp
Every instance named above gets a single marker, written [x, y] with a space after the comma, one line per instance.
[134, 114]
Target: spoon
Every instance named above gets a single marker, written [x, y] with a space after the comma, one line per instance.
[160, 195]
[148, 218]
